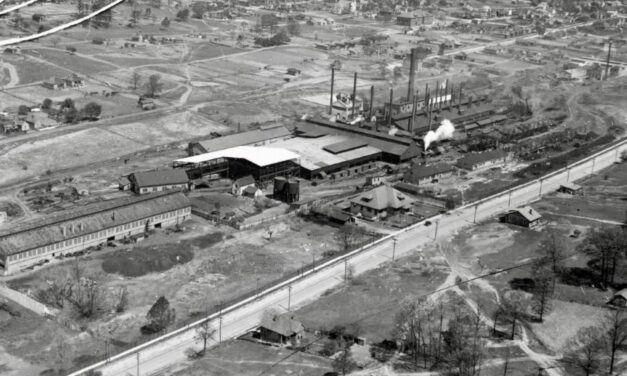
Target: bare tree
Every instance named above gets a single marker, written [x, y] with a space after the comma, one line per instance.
[121, 299]
[585, 350]
[617, 334]
[607, 246]
[513, 308]
[344, 362]
[62, 353]
[347, 236]
[204, 332]
[552, 252]
[154, 85]
[542, 291]
[135, 79]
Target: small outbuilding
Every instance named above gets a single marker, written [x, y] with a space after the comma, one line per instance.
[571, 189]
[281, 328]
[252, 191]
[240, 185]
[619, 299]
[525, 216]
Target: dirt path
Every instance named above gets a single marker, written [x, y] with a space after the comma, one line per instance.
[13, 77]
[548, 363]
[605, 221]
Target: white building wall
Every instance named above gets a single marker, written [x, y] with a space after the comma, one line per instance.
[16, 262]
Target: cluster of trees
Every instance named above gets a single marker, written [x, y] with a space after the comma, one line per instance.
[153, 86]
[82, 293]
[72, 115]
[595, 348]
[159, 317]
[277, 39]
[445, 337]
[103, 19]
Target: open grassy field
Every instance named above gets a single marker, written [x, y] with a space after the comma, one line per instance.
[214, 264]
[243, 358]
[373, 298]
[69, 61]
[29, 70]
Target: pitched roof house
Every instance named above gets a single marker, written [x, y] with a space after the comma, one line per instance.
[380, 202]
[281, 328]
[525, 216]
[159, 180]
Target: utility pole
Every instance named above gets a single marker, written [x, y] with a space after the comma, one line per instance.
[220, 325]
[593, 161]
[541, 181]
[607, 63]
[437, 223]
[289, 297]
[474, 220]
[345, 270]
[137, 364]
[332, 82]
[509, 198]
[394, 249]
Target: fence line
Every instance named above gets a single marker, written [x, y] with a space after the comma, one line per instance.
[26, 301]
[298, 275]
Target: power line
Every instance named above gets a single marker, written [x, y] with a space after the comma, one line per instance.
[457, 284]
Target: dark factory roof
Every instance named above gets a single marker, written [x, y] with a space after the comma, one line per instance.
[419, 172]
[476, 158]
[343, 146]
[160, 177]
[88, 219]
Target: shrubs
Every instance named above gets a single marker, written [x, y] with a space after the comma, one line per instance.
[276, 40]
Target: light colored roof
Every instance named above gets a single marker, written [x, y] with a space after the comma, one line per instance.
[246, 180]
[160, 177]
[88, 219]
[244, 138]
[312, 153]
[383, 197]
[259, 155]
[285, 324]
[528, 212]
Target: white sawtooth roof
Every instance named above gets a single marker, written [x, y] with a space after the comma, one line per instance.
[259, 155]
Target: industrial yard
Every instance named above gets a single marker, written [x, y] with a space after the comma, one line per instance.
[165, 162]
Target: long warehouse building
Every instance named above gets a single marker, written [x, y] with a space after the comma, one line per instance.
[35, 241]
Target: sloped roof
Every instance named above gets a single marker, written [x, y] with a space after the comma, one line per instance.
[259, 155]
[383, 197]
[285, 324]
[160, 177]
[421, 171]
[250, 190]
[246, 180]
[88, 219]
[244, 138]
[528, 212]
[476, 158]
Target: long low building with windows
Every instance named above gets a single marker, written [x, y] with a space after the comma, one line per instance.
[35, 241]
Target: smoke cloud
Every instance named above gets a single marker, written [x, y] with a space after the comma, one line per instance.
[445, 131]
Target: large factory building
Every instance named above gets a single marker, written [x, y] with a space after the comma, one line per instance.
[33, 242]
[263, 163]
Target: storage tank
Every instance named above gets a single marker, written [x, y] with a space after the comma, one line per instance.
[279, 185]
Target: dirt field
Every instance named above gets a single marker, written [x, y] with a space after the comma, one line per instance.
[237, 264]
[372, 299]
[243, 358]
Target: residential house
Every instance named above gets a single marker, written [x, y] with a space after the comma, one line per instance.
[524, 216]
[239, 185]
[571, 189]
[479, 160]
[39, 120]
[380, 202]
[252, 191]
[281, 328]
[423, 174]
[159, 180]
[619, 299]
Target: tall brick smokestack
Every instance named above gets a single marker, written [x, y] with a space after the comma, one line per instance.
[371, 102]
[390, 107]
[412, 76]
[332, 82]
[354, 95]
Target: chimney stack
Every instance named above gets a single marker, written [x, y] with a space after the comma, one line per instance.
[371, 102]
[390, 107]
[332, 82]
[354, 95]
[412, 76]
[410, 127]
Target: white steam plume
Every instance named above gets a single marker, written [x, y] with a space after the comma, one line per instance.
[444, 131]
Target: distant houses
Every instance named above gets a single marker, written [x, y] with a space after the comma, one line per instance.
[423, 174]
[479, 160]
[56, 83]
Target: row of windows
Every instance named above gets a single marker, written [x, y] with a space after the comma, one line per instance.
[157, 189]
[93, 236]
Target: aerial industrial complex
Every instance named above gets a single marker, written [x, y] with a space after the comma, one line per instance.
[313, 188]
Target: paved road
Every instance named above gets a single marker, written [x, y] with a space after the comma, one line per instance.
[161, 355]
